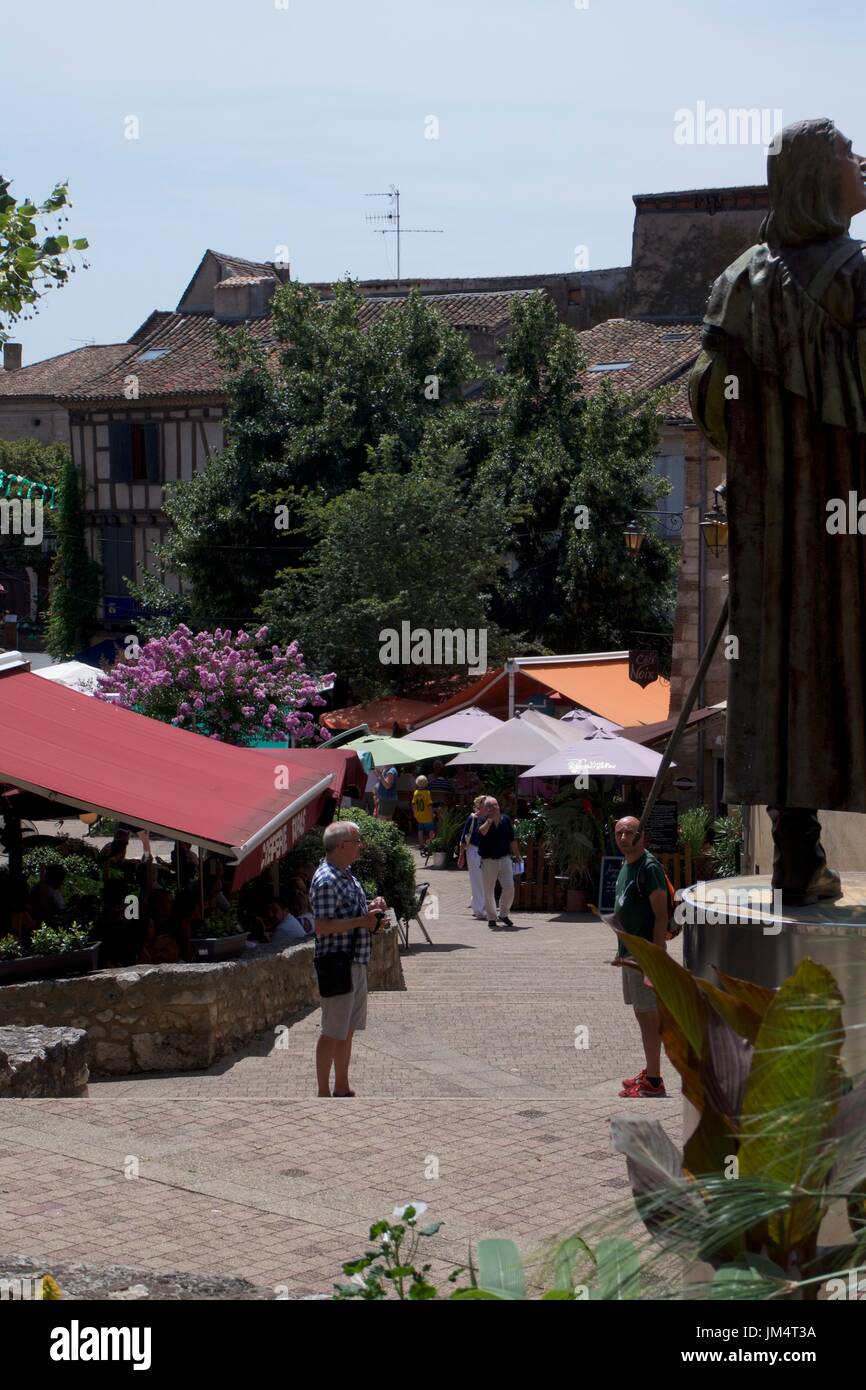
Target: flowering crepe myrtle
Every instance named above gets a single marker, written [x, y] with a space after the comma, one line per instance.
[228, 687]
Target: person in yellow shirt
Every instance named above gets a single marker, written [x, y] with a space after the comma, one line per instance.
[422, 810]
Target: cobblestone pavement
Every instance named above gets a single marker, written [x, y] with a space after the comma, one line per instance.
[485, 1089]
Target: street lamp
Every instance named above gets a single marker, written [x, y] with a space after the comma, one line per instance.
[634, 535]
[714, 526]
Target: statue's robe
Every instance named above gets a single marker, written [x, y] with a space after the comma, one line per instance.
[779, 389]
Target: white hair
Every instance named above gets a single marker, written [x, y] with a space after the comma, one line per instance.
[337, 832]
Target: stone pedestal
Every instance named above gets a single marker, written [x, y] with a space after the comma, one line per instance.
[734, 924]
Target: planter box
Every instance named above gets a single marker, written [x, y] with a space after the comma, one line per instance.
[49, 967]
[218, 947]
[439, 859]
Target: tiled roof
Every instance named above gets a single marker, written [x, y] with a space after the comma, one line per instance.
[59, 375]
[654, 354]
[238, 266]
[479, 310]
[188, 367]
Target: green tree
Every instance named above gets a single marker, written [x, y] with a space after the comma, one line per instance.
[552, 451]
[32, 262]
[401, 547]
[301, 421]
[40, 463]
[75, 578]
[607, 595]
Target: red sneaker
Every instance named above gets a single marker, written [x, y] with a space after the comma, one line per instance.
[634, 1080]
[643, 1089]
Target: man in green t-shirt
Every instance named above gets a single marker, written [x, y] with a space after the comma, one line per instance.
[642, 910]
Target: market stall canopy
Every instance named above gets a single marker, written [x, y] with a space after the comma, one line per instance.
[596, 681]
[600, 754]
[75, 675]
[652, 733]
[246, 804]
[393, 752]
[464, 727]
[518, 742]
[380, 716]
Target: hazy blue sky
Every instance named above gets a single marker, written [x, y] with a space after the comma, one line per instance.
[262, 125]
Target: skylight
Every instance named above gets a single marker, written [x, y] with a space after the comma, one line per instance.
[152, 354]
[679, 337]
[610, 366]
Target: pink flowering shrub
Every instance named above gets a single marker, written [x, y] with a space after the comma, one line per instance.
[219, 685]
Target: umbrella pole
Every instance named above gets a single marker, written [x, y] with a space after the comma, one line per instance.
[688, 703]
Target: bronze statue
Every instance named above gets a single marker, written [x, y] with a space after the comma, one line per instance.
[780, 389]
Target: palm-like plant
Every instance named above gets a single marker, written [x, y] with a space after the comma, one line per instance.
[781, 1133]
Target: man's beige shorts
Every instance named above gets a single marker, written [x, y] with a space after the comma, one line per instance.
[635, 992]
[343, 1012]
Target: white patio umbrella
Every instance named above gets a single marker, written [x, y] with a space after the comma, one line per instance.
[599, 754]
[465, 726]
[581, 719]
[518, 742]
[560, 734]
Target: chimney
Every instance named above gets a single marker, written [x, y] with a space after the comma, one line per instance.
[242, 297]
[12, 357]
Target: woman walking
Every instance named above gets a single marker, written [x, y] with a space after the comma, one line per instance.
[470, 856]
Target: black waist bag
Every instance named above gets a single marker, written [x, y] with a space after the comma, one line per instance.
[334, 971]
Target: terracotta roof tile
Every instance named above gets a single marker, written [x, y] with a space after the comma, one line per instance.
[188, 366]
[635, 356]
[59, 375]
[487, 311]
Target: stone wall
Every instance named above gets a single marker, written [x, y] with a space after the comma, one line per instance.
[39, 1061]
[683, 241]
[183, 1017]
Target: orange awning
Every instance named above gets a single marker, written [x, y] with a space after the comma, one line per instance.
[603, 687]
[600, 686]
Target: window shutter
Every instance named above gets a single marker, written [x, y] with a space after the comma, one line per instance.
[151, 452]
[119, 451]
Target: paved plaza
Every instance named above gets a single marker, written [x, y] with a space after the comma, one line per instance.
[472, 1096]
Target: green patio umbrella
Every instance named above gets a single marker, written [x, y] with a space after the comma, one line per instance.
[375, 751]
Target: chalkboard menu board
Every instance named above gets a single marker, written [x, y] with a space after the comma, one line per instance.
[610, 867]
[661, 830]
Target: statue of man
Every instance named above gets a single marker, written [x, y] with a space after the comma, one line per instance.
[780, 389]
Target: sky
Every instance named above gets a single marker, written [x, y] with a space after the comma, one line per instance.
[266, 123]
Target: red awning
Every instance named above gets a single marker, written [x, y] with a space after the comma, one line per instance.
[248, 804]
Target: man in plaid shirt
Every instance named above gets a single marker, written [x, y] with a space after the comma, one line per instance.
[340, 908]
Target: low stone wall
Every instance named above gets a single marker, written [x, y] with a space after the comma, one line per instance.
[39, 1061]
[183, 1017]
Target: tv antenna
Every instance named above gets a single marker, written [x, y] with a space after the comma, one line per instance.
[392, 218]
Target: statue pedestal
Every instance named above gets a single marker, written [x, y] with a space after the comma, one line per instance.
[732, 923]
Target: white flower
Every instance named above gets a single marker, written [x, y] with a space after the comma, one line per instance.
[419, 1207]
[359, 1280]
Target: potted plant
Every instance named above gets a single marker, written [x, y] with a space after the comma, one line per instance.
[692, 830]
[222, 938]
[449, 823]
[571, 841]
[51, 952]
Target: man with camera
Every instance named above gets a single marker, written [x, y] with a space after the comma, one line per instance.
[344, 920]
